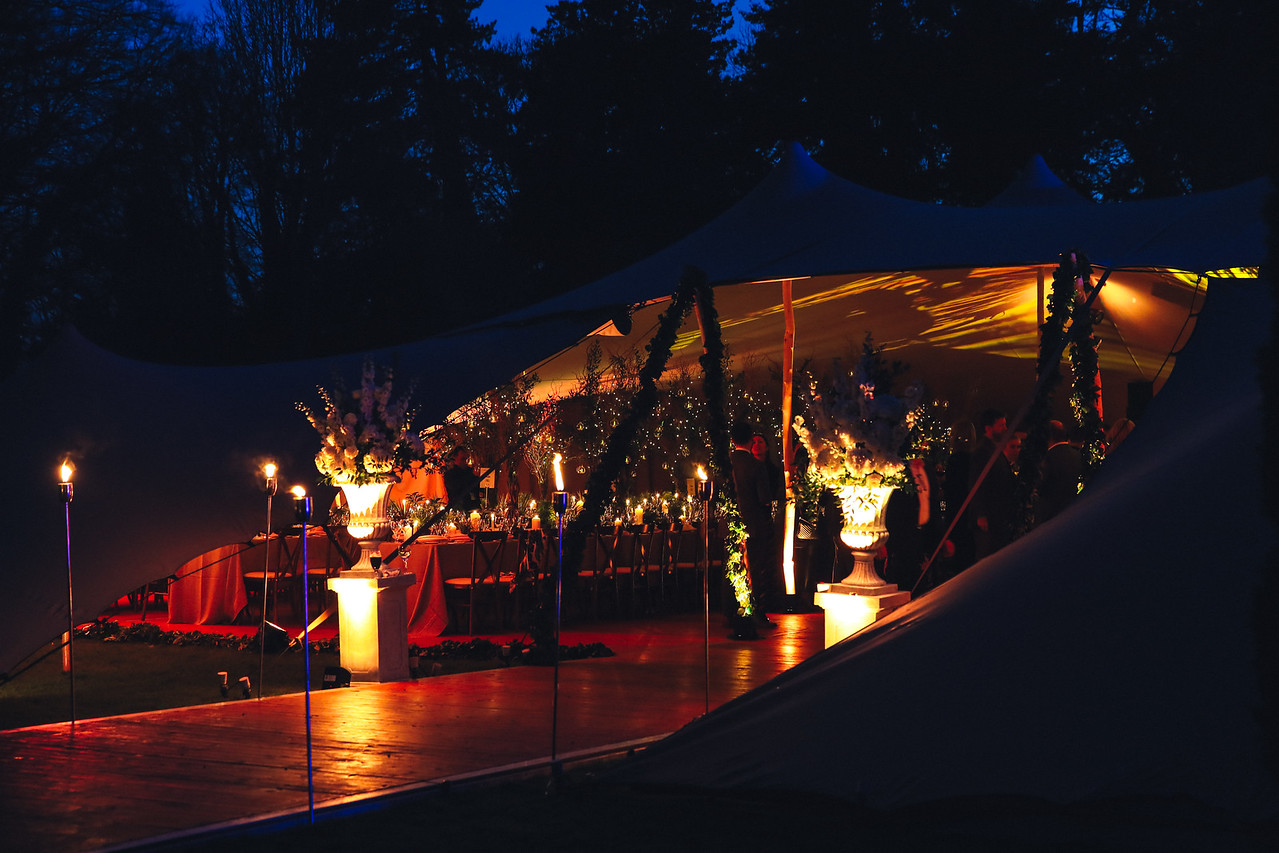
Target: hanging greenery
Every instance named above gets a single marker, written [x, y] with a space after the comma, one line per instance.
[1052, 341]
[713, 362]
[621, 441]
[1068, 327]
[1086, 389]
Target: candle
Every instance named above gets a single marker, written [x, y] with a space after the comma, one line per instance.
[639, 515]
[536, 523]
[475, 519]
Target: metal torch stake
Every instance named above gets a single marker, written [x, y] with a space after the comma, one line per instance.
[67, 493]
[266, 576]
[302, 506]
[559, 501]
[706, 491]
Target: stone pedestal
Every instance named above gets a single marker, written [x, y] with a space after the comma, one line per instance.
[373, 625]
[851, 607]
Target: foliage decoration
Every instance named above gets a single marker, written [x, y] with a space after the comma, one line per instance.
[1069, 326]
[366, 435]
[1086, 390]
[600, 484]
[713, 361]
[855, 432]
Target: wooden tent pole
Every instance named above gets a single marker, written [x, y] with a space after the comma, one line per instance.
[788, 448]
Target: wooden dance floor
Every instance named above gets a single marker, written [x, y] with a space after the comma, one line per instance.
[120, 781]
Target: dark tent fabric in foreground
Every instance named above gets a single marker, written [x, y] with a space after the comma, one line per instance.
[1108, 654]
[168, 459]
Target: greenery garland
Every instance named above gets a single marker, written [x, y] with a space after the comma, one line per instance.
[1085, 391]
[1052, 343]
[712, 361]
[1069, 325]
[599, 486]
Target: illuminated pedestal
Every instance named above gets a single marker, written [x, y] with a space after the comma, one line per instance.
[849, 607]
[373, 625]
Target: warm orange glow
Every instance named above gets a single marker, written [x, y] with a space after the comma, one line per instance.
[67, 470]
[701, 473]
[298, 491]
[559, 473]
[269, 469]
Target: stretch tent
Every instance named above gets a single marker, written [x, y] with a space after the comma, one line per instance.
[1107, 656]
[956, 293]
[168, 456]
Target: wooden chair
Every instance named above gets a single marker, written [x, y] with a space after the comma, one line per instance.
[685, 563]
[532, 568]
[319, 568]
[155, 590]
[606, 558]
[282, 576]
[485, 583]
[646, 566]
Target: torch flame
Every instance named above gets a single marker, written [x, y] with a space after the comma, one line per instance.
[269, 469]
[701, 473]
[298, 491]
[67, 470]
[559, 474]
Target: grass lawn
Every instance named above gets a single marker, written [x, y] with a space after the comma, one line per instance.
[113, 678]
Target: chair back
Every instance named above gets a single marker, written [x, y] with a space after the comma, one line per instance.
[487, 549]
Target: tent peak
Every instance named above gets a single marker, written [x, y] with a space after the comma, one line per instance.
[1036, 184]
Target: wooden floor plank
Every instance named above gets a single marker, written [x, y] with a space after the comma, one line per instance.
[123, 780]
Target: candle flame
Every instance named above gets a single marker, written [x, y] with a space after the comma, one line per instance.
[559, 474]
[701, 473]
[67, 470]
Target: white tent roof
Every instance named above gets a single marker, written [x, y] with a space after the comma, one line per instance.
[1108, 654]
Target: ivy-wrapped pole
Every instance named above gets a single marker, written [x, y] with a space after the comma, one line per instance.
[1085, 398]
[712, 361]
[622, 440]
[1052, 342]
[1082, 310]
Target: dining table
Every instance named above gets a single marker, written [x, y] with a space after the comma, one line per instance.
[210, 589]
[432, 559]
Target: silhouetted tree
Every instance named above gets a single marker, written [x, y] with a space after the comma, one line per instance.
[626, 136]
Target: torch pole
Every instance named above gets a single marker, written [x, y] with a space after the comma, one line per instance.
[67, 493]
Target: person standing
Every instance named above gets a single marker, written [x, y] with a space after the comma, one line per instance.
[461, 486]
[993, 505]
[755, 505]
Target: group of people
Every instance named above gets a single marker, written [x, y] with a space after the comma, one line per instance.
[924, 548]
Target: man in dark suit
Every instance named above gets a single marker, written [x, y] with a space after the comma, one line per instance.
[755, 504]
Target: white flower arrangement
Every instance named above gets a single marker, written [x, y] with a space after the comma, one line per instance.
[366, 436]
[855, 436]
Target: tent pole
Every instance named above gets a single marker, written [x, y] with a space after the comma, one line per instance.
[788, 448]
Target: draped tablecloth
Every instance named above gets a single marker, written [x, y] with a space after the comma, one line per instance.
[432, 559]
[209, 589]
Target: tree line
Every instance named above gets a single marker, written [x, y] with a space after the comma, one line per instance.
[290, 178]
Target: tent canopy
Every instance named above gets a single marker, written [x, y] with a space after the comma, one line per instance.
[953, 292]
[168, 456]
